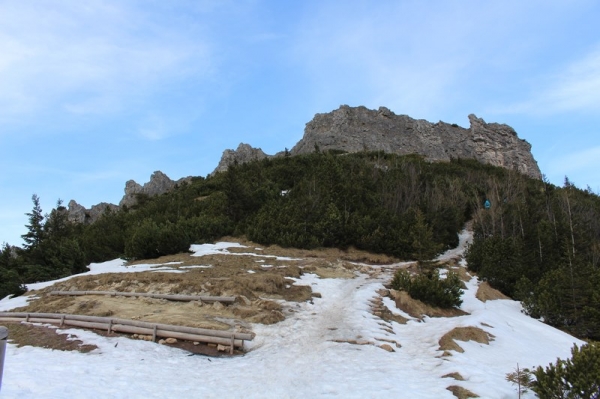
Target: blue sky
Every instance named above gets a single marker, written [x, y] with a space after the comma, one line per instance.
[94, 93]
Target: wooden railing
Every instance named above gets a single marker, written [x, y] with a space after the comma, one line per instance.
[231, 339]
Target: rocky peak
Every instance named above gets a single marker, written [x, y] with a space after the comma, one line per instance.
[244, 153]
[79, 214]
[355, 129]
[159, 183]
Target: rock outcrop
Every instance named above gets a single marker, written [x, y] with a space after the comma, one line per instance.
[244, 153]
[354, 129]
[159, 183]
[79, 214]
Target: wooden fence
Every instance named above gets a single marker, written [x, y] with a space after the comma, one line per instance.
[227, 338]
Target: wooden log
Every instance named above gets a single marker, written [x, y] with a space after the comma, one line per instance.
[66, 319]
[203, 298]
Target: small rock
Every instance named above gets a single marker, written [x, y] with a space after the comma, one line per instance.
[171, 340]
[222, 348]
[162, 341]
[218, 306]
[196, 343]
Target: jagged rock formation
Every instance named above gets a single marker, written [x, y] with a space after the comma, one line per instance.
[159, 183]
[355, 129]
[244, 153]
[79, 214]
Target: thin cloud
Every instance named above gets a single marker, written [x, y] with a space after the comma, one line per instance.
[90, 58]
[414, 57]
[585, 160]
[575, 88]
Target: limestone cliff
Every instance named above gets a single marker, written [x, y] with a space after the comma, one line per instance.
[355, 129]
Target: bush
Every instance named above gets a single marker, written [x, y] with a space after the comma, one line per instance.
[575, 378]
[430, 288]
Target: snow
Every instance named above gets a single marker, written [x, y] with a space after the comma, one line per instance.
[304, 356]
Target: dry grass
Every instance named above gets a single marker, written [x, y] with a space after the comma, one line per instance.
[486, 293]
[448, 343]
[254, 273]
[456, 376]
[25, 334]
[461, 393]
[418, 309]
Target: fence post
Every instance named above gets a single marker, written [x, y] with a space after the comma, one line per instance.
[3, 338]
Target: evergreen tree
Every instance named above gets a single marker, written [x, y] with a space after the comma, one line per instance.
[34, 235]
[575, 378]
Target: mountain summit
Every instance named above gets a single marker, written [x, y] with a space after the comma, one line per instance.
[355, 129]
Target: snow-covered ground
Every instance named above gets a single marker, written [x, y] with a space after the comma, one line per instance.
[301, 357]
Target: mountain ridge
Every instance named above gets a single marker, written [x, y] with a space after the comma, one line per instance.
[356, 129]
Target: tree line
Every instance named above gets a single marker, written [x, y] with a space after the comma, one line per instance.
[534, 241]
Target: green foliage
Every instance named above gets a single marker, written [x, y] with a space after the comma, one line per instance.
[34, 229]
[541, 244]
[424, 248]
[537, 242]
[10, 280]
[574, 378]
[430, 288]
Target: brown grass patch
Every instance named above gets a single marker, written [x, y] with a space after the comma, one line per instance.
[228, 276]
[486, 293]
[447, 342]
[25, 334]
[461, 393]
[255, 275]
[456, 376]
[350, 254]
[418, 309]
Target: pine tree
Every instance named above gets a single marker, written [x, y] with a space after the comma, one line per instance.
[35, 227]
[575, 378]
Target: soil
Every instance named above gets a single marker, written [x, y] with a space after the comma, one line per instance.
[25, 334]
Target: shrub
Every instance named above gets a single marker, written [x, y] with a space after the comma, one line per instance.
[575, 378]
[430, 288]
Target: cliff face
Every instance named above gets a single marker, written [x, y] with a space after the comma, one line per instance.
[355, 129]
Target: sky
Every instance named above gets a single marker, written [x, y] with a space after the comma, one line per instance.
[95, 93]
[308, 355]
